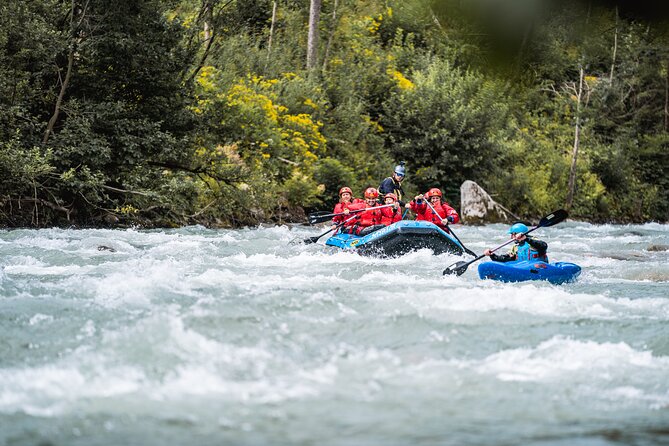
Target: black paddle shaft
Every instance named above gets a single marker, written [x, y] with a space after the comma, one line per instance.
[315, 238]
[549, 220]
[321, 216]
[468, 251]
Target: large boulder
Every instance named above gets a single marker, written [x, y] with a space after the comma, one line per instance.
[478, 207]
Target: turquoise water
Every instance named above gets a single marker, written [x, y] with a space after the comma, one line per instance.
[196, 336]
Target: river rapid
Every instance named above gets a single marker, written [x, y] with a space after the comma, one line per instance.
[238, 337]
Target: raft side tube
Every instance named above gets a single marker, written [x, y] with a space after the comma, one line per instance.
[398, 239]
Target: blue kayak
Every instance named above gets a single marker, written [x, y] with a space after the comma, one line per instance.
[520, 271]
[398, 239]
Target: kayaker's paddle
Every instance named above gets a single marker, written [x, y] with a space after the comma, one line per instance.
[320, 217]
[468, 251]
[549, 220]
[315, 238]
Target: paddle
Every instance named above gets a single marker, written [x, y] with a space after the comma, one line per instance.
[549, 220]
[320, 216]
[315, 238]
[468, 251]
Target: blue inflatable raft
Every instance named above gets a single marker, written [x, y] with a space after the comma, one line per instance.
[520, 271]
[398, 239]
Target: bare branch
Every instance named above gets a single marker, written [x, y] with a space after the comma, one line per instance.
[124, 191]
[46, 203]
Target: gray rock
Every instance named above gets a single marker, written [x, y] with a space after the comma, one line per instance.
[478, 207]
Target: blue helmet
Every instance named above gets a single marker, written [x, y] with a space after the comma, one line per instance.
[400, 169]
[518, 228]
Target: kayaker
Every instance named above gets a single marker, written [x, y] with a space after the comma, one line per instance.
[345, 200]
[445, 213]
[370, 219]
[392, 214]
[525, 247]
[393, 184]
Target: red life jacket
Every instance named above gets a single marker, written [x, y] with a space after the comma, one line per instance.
[341, 207]
[390, 215]
[367, 217]
[424, 213]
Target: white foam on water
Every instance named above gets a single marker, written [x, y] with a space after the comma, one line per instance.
[227, 282]
[40, 318]
[44, 243]
[137, 282]
[539, 300]
[21, 261]
[49, 390]
[605, 374]
[280, 232]
[560, 356]
[195, 380]
[296, 262]
[34, 270]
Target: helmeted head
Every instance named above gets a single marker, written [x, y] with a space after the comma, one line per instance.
[400, 171]
[345, 190]
[518, 228]
[390, 198]
[434, 192]
[371, 193]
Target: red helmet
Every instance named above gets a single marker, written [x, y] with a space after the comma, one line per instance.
[391, 195]
[344, 190]
[370, 192]
[434, 192]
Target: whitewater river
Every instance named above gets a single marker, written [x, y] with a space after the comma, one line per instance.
[237, 337]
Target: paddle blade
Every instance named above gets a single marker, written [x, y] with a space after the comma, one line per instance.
[310, 240]
[457, 268]
[554, 218]
[319, 217]
[470, 252]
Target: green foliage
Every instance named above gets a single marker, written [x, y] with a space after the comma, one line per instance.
[21, 169]
[445, 126]
[302, 190]
[333, 175]
[180, 112]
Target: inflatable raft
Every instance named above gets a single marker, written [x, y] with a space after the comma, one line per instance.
[398, 239]
[520, 271]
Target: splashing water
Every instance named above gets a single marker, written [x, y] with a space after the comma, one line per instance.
[240, 337]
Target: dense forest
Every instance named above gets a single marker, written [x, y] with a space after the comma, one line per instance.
[237, 112]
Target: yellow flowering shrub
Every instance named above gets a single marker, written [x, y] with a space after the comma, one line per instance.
[402, 82]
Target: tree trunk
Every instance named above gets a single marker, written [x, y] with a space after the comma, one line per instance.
[271, 29]
[615, 49]
[666, 99]
[312, 42]
[209, 34]
[333, 27]
[577, 135]
[68, 74]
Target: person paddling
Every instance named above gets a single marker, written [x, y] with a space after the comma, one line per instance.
[370, 219]
[345, 200]
[392, 214]
[393, 184]
[525, 247]
[444, 212]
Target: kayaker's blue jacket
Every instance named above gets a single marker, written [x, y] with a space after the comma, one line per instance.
[528, 249]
